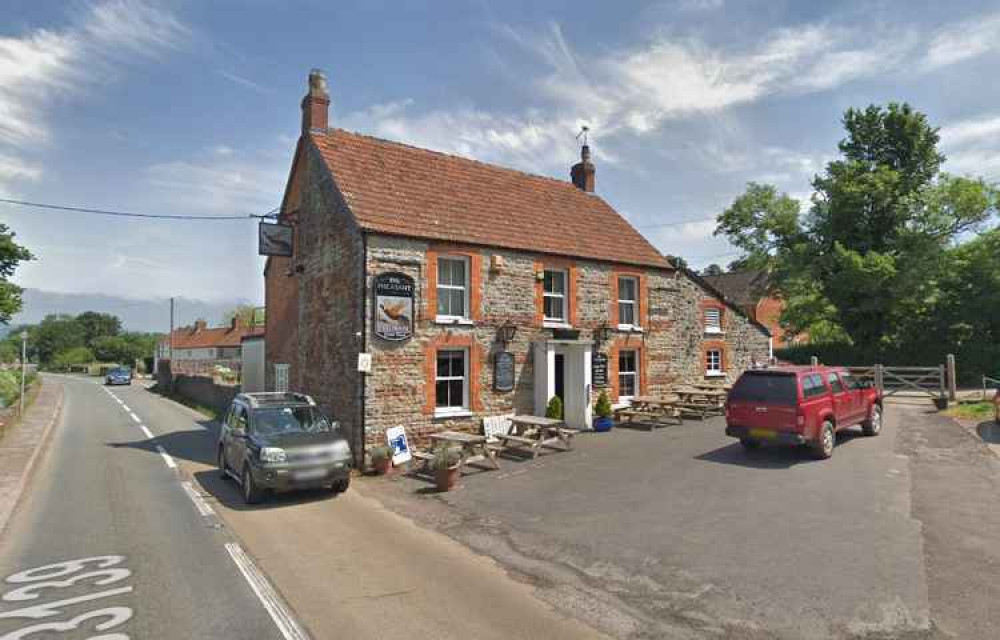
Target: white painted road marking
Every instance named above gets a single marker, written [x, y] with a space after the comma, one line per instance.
[166, 457]
[125, 407]
[135, 417]
[198, 501]
[282, 617]
[146, 432]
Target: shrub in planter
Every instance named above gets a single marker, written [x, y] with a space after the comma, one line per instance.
[381, 459]
[603, 411]
[446, 468]
[554, 409]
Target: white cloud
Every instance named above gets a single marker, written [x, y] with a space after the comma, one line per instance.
[963, 41]
[44, 66]
[699, 5]
[243, 82]
[973, 146]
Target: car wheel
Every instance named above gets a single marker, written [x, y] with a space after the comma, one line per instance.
[340, 486]
[873, 425]
[750, 443]
[251, 494]
[223, 467]
[823, 447]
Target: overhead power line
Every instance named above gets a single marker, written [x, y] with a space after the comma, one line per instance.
[673, 224]
[131, 214]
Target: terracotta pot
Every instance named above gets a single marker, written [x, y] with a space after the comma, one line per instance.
[382, 465]
[446, 478]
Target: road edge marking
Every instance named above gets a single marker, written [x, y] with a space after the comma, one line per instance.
[199, 502]
[146, 432]
[290, 628]
[166, 457]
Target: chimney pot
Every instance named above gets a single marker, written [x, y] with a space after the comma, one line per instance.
[583, 172]
[316, 104]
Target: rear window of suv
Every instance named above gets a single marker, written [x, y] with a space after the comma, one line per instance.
[765, 388]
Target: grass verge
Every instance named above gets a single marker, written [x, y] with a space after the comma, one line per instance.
[208, 412]
[972, 411]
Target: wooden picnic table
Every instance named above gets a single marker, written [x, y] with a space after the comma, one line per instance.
[472, 447]
[534, 432]
[700, 402]
[652, 408]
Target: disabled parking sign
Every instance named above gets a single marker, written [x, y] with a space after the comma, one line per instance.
[396, 437]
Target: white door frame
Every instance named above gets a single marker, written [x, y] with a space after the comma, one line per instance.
[577, 410]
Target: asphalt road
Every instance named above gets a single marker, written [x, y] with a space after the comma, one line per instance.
[108, 530]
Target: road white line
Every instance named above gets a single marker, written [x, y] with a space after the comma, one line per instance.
[166, 457]
[198, 501]
[125, 407]
[135, 417]
[146, 432]
[283, 619]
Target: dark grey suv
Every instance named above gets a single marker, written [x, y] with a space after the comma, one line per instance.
[282, 441]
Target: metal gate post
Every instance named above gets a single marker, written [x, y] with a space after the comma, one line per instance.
[814, 361]
[879, 380]
[952, 386]
[941, 378]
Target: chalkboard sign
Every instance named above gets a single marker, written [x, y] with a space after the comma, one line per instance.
[503, 371]
[393, 314]
[599, 370]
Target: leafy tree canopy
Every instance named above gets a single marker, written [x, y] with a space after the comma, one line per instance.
[11, 255]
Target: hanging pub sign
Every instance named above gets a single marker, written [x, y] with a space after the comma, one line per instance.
[503, 371]
[274, 239]
[599, 370]
[393, 306]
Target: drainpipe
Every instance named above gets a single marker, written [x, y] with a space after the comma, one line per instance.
[359, 445]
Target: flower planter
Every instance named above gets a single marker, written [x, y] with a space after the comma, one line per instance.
[603, 424]
[382, 466]
[446, 478]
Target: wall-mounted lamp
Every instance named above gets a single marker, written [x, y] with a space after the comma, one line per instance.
[506, 333]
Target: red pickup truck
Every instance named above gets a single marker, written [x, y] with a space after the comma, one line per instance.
[800, 405]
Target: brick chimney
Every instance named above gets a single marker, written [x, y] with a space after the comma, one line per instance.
[316, 104]
[199, 325]
[583, 172]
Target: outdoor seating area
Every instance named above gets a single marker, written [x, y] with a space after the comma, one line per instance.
[524, 437]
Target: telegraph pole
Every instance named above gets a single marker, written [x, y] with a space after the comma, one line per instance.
[24, 359]
[171, 333]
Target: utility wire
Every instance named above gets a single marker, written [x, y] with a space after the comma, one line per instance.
[129, 214]
[672, 224]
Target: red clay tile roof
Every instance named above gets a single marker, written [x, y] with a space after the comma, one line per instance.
[402, 190]
[190, 338]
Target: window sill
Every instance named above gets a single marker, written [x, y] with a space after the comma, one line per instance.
[631, 328]
[714, 332]
[715, 374]
[452, 413]
[556, 324]
[453, 320]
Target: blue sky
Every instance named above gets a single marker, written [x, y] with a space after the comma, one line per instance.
[192, 107]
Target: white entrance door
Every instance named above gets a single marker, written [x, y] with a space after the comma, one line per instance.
[562, 367]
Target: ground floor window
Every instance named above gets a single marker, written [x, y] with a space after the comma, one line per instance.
[628, 373]
[451, 382]
[713, 362]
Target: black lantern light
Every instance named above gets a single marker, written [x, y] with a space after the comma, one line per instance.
[506, 332]
[602, 334]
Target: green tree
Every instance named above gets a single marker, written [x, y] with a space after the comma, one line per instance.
[54, 334]
[245, 313]
[11, 255]
[72, 356]
[882, 221]
[111, 349]
[95, 325]
[712, 270]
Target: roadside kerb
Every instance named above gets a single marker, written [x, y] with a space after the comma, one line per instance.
[9, 503]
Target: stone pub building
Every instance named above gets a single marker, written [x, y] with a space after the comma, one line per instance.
[476, 289]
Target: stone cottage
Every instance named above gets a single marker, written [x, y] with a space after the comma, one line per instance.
[476, 290]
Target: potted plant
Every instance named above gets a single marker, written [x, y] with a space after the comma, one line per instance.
[381, 458]
[602, 408]
[554, 409]
[446, 468]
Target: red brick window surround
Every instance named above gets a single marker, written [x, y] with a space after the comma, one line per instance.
[714, 357]
[457, 271]
[556, 281]
[625, 286]
[452, 375]
[632, 379]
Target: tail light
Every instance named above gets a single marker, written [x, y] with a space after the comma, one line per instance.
[800, 417]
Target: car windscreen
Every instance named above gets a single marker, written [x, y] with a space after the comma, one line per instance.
[765, 388]
[279, 420]
[119, 372]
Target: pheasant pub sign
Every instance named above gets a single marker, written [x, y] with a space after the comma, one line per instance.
[393, 306]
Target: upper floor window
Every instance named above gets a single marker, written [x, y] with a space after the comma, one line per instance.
[554, 292]
[628, 296]
[453, 287]
[713, 320]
